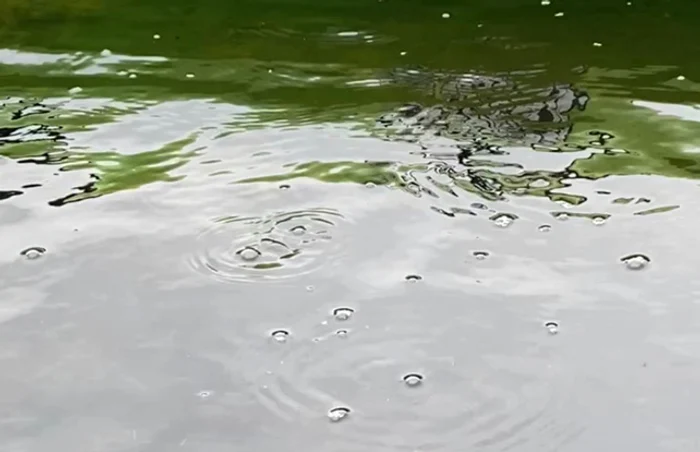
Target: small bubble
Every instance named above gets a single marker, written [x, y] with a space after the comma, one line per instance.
[156, 36]
[562, 216]
[248, 253]
[122, 73]
[280, 335]
[680, 77]
[413, 379]
[298, 230]
[75, 90]
[479, 205]
[598, 221]
[636, 261]
[503, 220]
[370, 185]
[310, 288]
[343, 313]
[413, 278]
[284, 187]
[106, 53]
[445, 15]
[132, 75]
[544, 228]
[189, 75]
[35, 252]
[338, 413]
[559, 14]
[342, 333]
[545, 2]
[481, 255]
[552, 326]
[597, 44]
[204, 394]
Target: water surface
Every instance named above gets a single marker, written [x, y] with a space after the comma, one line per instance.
[349, 226]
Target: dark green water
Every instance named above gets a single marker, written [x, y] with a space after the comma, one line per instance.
[200, 175]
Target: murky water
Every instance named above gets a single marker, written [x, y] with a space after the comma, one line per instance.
[349, 226]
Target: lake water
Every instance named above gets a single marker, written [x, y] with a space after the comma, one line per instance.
[349, 225]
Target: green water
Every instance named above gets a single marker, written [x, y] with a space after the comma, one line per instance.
[308, 62]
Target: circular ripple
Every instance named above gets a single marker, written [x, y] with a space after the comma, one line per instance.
[482, 401]
[270, 248]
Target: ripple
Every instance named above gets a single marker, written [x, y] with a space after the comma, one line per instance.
[268, 248]
[483, 402]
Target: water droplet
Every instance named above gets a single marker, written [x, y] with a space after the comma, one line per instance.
[35, 252]
[75, 90]
[338, 413]
[545, 2]
[248, 253]
[481, 255]
[403, 54]
[680, 77]
[156, 36]
[106, 53]
[597, 44]
[598, 221]
[445, 15]
[204, 394]
[503, 220]
[342, 333]
[544, 228]
[132, 75]
[413, 379]
[189, 75]
[562, 216]
[559, 14]
[636, 261]
[552, 326]
[343, 313]
[298, 230]
[284, 187]
[370, 185]
[280, 335]
[413, 278]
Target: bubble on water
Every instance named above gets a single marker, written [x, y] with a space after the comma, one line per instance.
[544, 228]
[680, 77]
[343, 313]
[559, 14]
[106, 53]
[479, 205]
[310, 288]
[248, 253]
[122, 73]
[413, 278]
[636, 261]
[481, 255]
[562, 216]
[189, 75]
[298, 230]
[342, 333]
[552, 326]
[539, 183]
[34, 252]
[338, 413]
[370, 185]
[75, 90]
[445, 15]
[280, 335]
[597, 44]
[413, 379]
[204, 394]
[503, 220]
[132, 75]
[284, 187]
[545, 2]
[156, 36]
[598, 221]
[403, 54]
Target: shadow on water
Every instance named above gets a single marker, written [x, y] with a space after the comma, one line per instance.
[247, 245]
